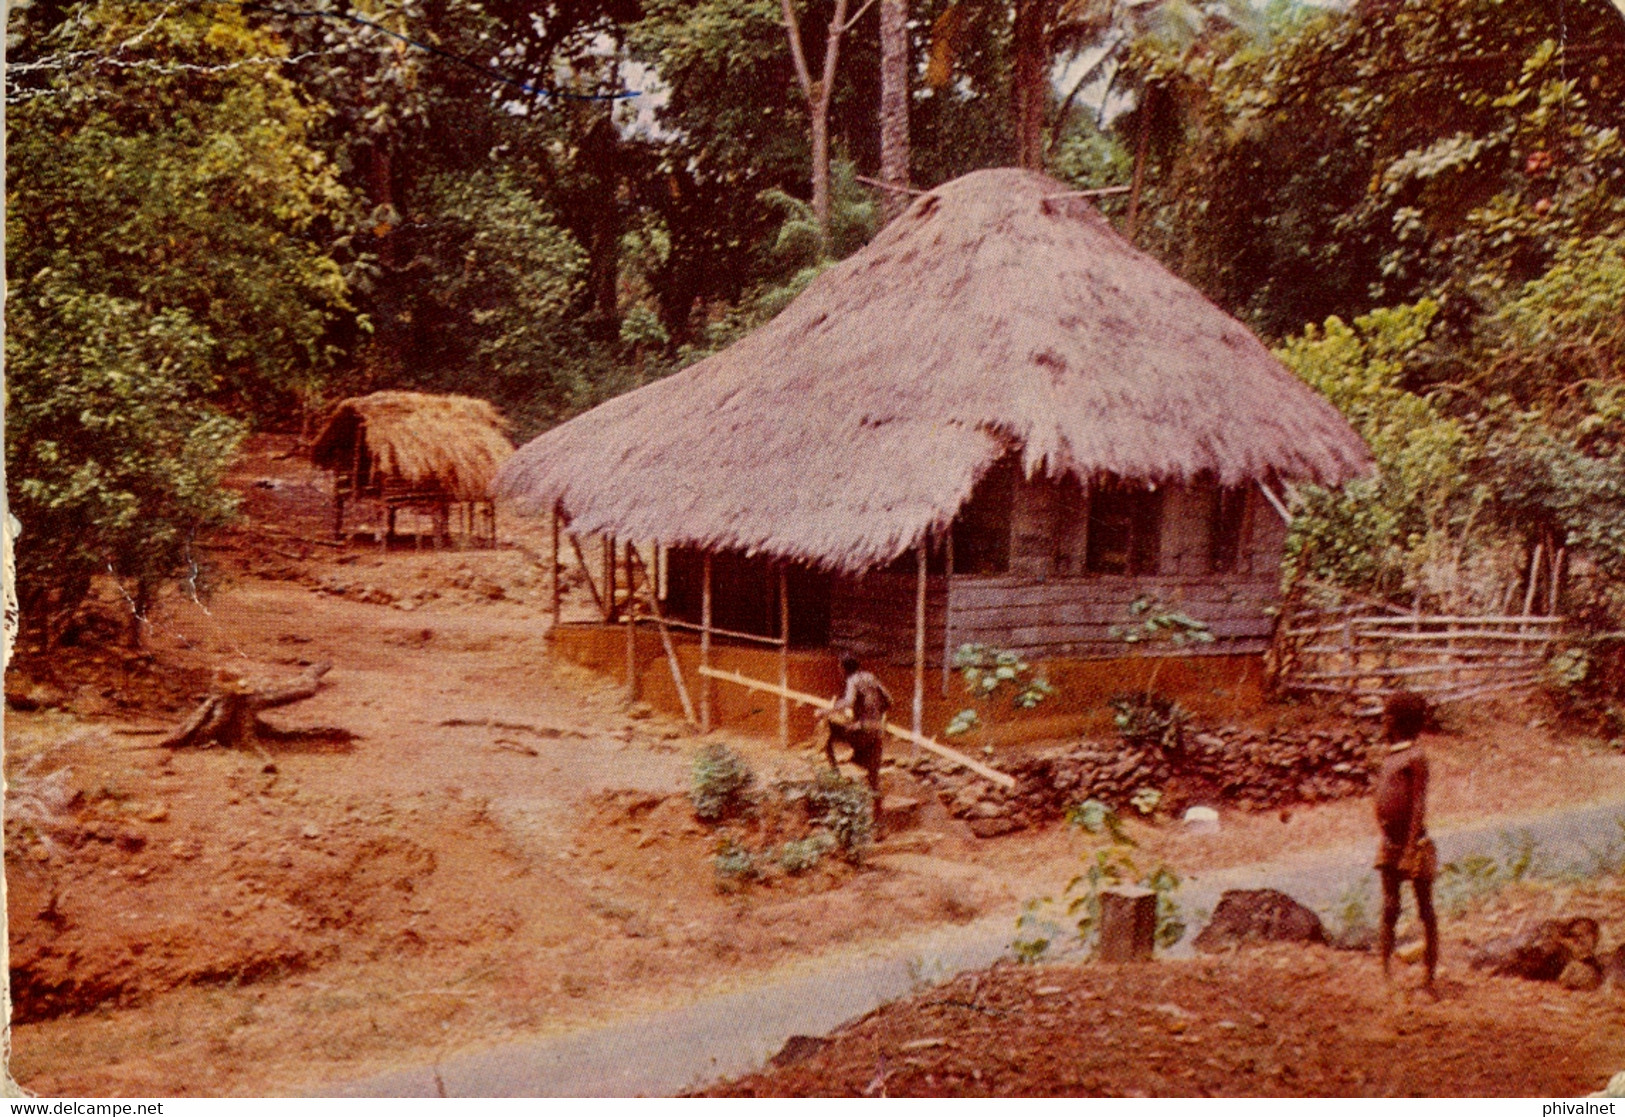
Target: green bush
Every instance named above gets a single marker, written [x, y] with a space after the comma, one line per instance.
[1145, 720]
[796, 857]
[733, 863]
[722, 783]
[847, 810]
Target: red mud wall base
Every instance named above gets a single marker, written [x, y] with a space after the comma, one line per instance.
[1216, 687]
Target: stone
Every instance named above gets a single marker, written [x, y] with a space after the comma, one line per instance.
[993, 827]
[1613, 968]
[1581, 975]
[1259, 915]
[1541, 952]
[1202, 820]
[1128, 924]
[310, 830]
[898, 812]
[797, 1049]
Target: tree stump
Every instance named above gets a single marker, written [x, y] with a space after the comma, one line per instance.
[230, 715]
[1128, 924]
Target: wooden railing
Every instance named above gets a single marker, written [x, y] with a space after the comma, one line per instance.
[1356, 652]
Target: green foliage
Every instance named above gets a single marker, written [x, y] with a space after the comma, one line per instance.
[1146, 719]
[501, 280]
[720, 784]
[1074, 916]
[733, 863]
[1340, 193]
[846, 809]
[1376, 534]
[797, 856]
[989, 674]
[1157, 623]
[113, 461]
[1094, 817]
[184, 179]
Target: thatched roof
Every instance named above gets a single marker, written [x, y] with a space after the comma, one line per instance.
[991, 316]
[453, 442]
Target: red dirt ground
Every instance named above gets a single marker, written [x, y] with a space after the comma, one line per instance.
[503, 851]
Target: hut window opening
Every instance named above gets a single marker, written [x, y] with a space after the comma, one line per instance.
[745, 595]
[1229, 508]
[981, 536]
[1125, 530]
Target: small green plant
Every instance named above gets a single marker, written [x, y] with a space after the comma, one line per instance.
[797, 856]
[733, 862]
[1351, 911]
[722, 783]
[1149, 720]
[846, 809]
[989, 674]
[1146, 800]
[1095, 817]
[1073, 918]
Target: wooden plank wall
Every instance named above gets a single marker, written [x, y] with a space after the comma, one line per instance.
[873, 616]
[1040, 608]
[1039, 612]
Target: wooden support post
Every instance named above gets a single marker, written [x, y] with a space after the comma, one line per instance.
[558, 589]
[919, 645]
[608, 548]
[1128, 924]
[947, 608]
[338, 511]
[705, 646]
[1556, 586]
[784, 654]
[665, 633]
[631, 618]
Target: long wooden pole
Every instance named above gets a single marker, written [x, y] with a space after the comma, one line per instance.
[784, 654]
[631, 632]
[608, 549]
[919, 643]
[651, 580]
[558, 588]
[705, 645]
[947, 609]
[801, 697]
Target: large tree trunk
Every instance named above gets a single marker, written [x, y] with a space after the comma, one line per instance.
[818, 93]
[820, 169]
[1030, 79]
[894, 106]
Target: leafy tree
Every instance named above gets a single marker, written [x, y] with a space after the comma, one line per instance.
[167, 161]
[114, 465]
[163, 228]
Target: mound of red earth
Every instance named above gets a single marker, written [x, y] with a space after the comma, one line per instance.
[1278, 1020]
[1252, 769]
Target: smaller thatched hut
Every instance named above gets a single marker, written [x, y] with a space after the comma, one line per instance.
[428, 454]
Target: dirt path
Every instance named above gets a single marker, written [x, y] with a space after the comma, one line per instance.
[503, 853]
[693, 1046]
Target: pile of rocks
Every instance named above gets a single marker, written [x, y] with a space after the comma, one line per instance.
[1252, 769]
[1257, 769]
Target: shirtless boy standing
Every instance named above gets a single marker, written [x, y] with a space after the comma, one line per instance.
[1406, 852]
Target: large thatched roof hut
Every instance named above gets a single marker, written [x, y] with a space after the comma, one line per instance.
[413, 450]
[1003, 385]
